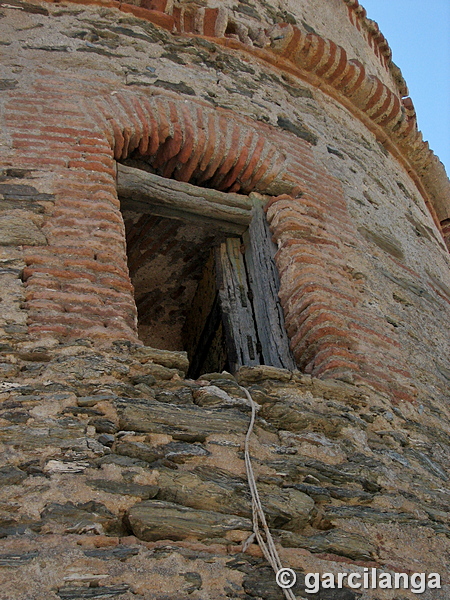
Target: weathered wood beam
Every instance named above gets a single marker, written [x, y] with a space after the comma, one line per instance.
[264, 284]
[241, 337]
[146, 192]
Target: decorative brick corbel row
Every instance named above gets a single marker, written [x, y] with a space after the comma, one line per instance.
[395, 116]
[358, 17]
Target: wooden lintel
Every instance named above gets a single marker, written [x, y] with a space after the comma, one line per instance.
[149, 190]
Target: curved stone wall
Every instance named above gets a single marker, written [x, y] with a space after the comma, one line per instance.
[136, 90]
[379, 95]
[122, 478]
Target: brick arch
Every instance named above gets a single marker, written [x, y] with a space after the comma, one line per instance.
[331, 333]
[191, 142]
[78, 286]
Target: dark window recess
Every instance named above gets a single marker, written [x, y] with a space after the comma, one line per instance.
[204, 277]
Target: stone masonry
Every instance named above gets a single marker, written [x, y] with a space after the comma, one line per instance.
[121, 477]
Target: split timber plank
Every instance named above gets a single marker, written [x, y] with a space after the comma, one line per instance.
[237, 313]
[151, 193]
[264, 285]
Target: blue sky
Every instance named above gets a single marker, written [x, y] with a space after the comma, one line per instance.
[418, 32]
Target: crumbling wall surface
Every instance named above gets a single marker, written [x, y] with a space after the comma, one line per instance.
[119, 477]
[126, 480]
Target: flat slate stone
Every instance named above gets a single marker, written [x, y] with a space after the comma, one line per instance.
[18, 229]
[154, 520]
[166, 358]
[335, 541]
[192, 421]
[10, 475]
[16, 560]
[79, 593]
[181, 451]
[261, 373]
[215, 490]
[120, 553]
[138, 450]
[11, 527]
[123, 488]
[90, 516]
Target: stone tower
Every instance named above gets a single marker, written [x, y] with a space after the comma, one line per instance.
[200, 198]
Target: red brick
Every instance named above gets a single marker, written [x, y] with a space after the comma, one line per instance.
[333, 367]
[329, 351]
[315, 51]
[58, 273]
[360, 77]
[262, 169]
[40, 161]
[296, 43]
[132, 121]
[375, 91]
[248, 171]
[395, 112]
[97, 142]
[272, 171]
[341, 65]
[230, 158]
[71, 320]
[211, 143]
[93, 265]
[219, 155]
[165, 127]
[375, 334]
[187, 170]
[119, 284]
[188, 20]
[209, 21]
[159, 5]
[91, 166]
[241, 162]
[38, 305]
[312, 322]
[156, 17]
[105, 293]
[37, 330]
[307, 348]
[50, 251]
[150, 145]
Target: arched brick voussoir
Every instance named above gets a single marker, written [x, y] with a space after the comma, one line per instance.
[188, 140]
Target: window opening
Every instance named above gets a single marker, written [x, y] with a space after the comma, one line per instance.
[201, 263]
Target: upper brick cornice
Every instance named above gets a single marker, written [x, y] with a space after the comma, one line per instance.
[358, 16]
[327, 66]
